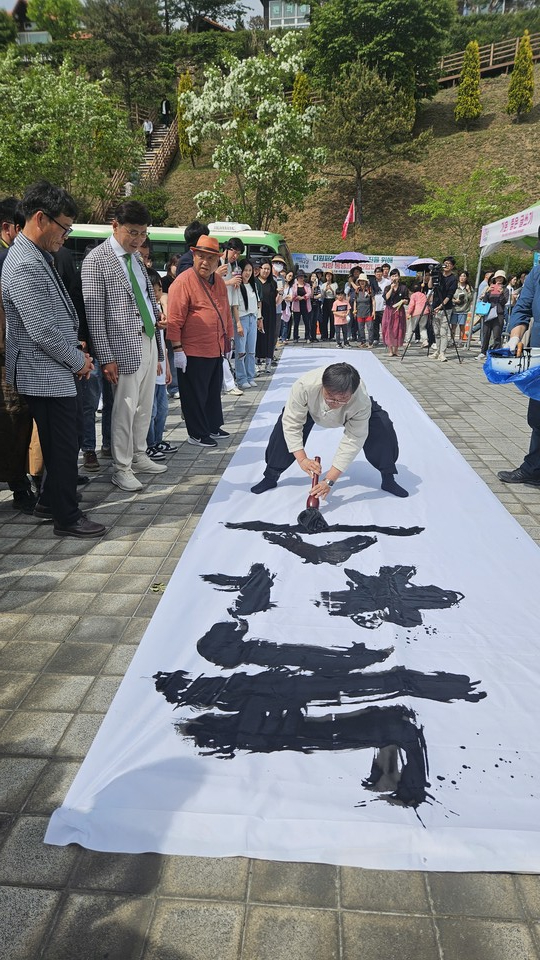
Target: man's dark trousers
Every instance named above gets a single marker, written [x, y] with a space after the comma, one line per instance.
[200, 395]
[531, 463]
[381, 448]
[56, 420]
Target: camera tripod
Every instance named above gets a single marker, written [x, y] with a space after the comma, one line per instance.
[439, 308]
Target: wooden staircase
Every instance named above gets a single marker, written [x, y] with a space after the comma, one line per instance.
[152, 169]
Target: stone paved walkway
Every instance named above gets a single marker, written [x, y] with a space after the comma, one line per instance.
[71, 615]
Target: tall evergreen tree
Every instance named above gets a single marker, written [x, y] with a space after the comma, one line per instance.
[8, 29]
[368, 124]
[300, 92]
[127, 29]
[520, 92]
[402, 39]
[468, 104]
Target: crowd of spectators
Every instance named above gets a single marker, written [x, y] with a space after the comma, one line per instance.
[119, 338]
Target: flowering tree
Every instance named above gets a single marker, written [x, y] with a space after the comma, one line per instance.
[263, 146]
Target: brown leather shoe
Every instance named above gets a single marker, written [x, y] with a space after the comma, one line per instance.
[83, 529]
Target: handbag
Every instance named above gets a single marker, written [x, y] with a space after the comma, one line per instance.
[482, 308]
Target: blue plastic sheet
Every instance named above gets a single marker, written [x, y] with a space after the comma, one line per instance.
[528, 381]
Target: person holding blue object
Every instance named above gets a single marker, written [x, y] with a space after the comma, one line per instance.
[527, 308]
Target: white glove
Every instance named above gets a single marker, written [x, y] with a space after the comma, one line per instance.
[512, 344]
[180, 360]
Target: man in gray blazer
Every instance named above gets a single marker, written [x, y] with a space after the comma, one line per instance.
[43, 355]
[121, 311]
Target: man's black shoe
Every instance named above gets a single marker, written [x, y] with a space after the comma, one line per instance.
[82, 480]
[517, 476]
[42, 513]
[83, 529]
[24, 501]
[220, 434]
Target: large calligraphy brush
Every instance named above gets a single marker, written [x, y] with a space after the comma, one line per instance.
[313, 501]
[311, 519]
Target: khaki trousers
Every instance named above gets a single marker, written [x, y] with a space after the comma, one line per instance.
[132, 408]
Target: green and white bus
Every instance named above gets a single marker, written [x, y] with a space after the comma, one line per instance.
[167, 241]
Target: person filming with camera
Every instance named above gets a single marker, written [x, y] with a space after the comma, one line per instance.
[444, 285]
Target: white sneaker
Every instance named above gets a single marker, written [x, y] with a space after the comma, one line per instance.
[443, 358]
[143, 464]
[433, 356]
[126, 480]
[235, 392]
[481, 356]
[253, 383]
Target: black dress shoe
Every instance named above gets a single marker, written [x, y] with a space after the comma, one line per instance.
[42, 513]
[82, 480]
[517, 476]
[24, 501]
[83, 529]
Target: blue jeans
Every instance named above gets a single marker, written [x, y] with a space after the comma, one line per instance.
[244, 348]
[173, 386]
[160, 409]
[92, 390]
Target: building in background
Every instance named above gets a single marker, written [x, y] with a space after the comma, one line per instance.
[279, 13]
[27, 31]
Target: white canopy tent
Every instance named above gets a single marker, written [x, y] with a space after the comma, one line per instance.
[520, 229]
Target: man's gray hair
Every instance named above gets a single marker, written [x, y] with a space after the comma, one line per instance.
[341, 378]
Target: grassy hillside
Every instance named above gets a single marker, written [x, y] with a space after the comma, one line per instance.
[390, 193]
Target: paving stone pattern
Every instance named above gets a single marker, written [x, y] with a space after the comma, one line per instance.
[71, 616]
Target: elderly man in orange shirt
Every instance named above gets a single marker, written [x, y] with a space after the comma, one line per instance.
[199, 327]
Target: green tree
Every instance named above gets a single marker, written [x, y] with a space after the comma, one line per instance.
[186, 149]
[520, 92]
[156, 200]
[60, 126]
[264, 151]
[128, 29]
[190, 12]
[300, 92]
[8, 29]
[464, 208]
[402, 40]
[61, 18]
[468, 105]
[368, 124]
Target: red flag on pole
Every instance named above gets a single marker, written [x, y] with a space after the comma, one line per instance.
[350, 218]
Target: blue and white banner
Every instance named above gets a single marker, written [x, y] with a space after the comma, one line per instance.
[325, 261]
[366, 696]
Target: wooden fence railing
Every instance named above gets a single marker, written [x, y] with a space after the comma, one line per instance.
[163, 157]
[493, 57]
[150, 174]
[116, 184]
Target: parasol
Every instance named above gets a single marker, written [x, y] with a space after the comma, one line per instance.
[351, 257]
[423, 263]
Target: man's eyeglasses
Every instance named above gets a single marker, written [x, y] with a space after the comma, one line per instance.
[137, 233]
[333, 401]
[67, 230]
